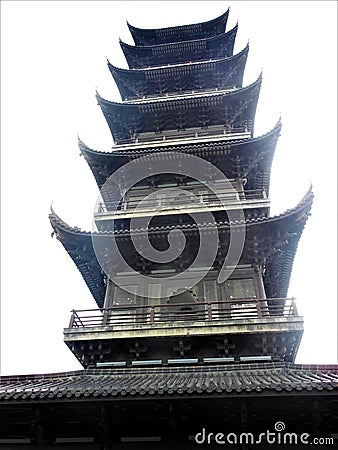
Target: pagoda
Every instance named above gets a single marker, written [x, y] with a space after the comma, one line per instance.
[192, 333]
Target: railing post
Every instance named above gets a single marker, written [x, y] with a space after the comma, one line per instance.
[152, 314]
[105, 317]
[72, 319]
[294, 307]
[209, 311]
[259, 308]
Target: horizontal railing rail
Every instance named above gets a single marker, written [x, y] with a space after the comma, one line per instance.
[182, 93]
[190, 200]
[230, 310]
[189, 133]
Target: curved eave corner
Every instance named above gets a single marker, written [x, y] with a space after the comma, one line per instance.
[78, 244]
[95, 160]
[265, 145]
[279, 264]
[125, 79]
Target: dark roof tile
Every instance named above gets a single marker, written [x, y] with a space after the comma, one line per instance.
[131, 382]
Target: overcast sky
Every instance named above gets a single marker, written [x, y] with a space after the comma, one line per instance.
[53, 58]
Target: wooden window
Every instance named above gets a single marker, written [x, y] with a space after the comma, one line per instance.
[154, 293]
[121, 311]
[240, 288]
[210, 291]
[122, 297]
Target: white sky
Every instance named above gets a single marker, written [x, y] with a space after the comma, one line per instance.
[53, 57]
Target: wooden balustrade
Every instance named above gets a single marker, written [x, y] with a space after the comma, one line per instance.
[182, 201]
[230, 310]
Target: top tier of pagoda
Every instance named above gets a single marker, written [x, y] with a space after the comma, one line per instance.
[201, 30]
[182, 83]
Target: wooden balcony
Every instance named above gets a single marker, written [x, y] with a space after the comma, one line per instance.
[189, 135]
[250, 327]
[200, 314]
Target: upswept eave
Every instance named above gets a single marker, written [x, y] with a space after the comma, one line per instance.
[79, 246]
[282, 233]
[146, 148]
[215, 47]
[129, 81]
[119, 70]
[235, 109]
[146, 36]
[296, 213]
[289, 227]
[104, 164]
[240, 91]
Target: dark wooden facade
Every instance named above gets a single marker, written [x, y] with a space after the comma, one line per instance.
[218, 358]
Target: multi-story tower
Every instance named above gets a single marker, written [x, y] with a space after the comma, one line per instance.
[184, 343]
[181, 98]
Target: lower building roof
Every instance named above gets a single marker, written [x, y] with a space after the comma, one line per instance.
[126, 383]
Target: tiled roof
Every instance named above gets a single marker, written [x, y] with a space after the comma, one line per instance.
[236, 108]
[214, 47]
[217, 152]
[204, 75]
[146, 36]
[279, 251]
[251, 379]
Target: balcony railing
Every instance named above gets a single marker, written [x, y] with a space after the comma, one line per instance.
[181, 202]
[214, 131]
[183, 93]
[133, 316]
